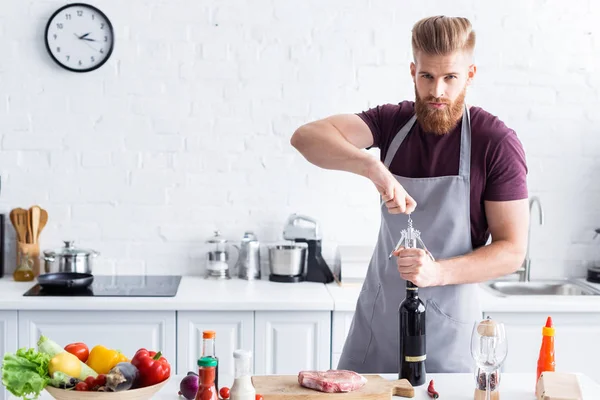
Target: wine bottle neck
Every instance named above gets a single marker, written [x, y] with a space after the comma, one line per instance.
[411, 289]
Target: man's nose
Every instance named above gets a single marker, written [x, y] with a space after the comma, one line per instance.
[438, 89]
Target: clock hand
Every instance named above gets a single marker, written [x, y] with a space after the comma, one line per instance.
[89, 40]
[83, 37]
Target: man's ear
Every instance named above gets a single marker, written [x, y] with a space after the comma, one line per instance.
[471, 74]
[413, 71]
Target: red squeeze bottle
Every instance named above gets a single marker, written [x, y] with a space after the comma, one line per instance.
[546, 358]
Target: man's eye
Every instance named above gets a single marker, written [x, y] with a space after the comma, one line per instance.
[451, 77]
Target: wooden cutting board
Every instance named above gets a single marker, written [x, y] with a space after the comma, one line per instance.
[286, 387]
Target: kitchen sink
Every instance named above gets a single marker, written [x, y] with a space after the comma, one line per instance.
[540, 288]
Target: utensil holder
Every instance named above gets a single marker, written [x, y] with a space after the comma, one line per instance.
[33, 250]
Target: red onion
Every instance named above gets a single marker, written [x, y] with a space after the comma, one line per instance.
[189, 386]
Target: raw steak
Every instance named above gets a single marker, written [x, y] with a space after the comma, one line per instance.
[332, 381]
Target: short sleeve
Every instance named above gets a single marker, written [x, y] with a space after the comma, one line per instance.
[372, 117]
[507, 171]
[382, 121]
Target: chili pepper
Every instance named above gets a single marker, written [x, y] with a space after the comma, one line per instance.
[431, 391]
[103, 359]
[153, 367]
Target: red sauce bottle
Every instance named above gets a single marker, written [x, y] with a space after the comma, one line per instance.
[546, 358]
[206, 379]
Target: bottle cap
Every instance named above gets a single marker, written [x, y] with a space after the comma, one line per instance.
[207, 362]
[243, 354]
[548, 330]
[208, 334]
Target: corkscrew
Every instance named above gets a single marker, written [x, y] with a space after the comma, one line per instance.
[410, 238]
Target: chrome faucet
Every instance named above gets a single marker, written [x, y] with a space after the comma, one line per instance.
[524, 271]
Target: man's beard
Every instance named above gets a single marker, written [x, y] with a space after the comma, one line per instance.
[439, 121]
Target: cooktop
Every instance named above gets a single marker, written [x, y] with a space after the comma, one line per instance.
[118, 286]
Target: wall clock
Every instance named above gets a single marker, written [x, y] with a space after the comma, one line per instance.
[79, 37]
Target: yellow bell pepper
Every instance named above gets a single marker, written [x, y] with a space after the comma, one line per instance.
[103, 359]
[66, 363]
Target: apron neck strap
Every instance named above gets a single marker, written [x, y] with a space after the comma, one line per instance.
[464, 165]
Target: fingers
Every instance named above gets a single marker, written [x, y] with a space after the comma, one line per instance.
[398, 201]
[411, 204]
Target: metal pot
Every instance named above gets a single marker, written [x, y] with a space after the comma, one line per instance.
[69, 259]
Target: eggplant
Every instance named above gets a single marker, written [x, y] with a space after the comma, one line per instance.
[63, 381]
[123, 376]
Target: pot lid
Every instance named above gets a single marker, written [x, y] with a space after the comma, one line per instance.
[217, 238]
[69, 250]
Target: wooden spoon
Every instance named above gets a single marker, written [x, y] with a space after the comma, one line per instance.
[43, 221]
[34, 217]
[18, 217]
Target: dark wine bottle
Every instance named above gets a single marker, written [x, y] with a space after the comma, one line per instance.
[412, 337]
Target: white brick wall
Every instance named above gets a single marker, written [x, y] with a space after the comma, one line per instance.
[186, 129]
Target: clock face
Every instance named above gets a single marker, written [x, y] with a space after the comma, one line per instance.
[79, 37]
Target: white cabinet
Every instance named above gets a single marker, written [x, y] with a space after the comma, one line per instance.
[575, 342]
[234, 330]
[8, 340]
[340, 325]
[127, 331]
[290, 341]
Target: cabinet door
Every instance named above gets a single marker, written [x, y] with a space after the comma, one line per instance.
[127, 331]
[234, 330]
[575, 342]
[340, 326]
[8, 341]
[291, 341]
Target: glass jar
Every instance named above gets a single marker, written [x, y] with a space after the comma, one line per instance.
[217, 257]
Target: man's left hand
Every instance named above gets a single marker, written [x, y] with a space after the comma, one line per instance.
[418, 267]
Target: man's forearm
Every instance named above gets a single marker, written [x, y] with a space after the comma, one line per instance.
[488, 262]
[324, 146]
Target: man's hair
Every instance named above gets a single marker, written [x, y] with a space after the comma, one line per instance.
[441, 35]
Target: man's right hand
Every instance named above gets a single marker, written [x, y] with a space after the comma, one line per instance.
[396, 199]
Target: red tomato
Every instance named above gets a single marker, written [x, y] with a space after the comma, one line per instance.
[100, 380]
[259, 397]
[82, 387]
[90, 382]
[79, 350]
[224, 392]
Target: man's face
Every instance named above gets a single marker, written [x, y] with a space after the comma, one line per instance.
[440, 87]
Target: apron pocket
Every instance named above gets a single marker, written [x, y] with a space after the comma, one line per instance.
[359, 339]
[448, 340]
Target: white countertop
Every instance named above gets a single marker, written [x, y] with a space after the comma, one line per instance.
[196, 293]
[449, 386]
[345, 297]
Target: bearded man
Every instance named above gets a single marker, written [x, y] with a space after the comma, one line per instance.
[459, 172]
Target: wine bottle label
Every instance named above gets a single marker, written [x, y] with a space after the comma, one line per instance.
[414, 348]
[415, 359]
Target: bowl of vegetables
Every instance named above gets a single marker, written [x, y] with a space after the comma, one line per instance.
[131, 394]
[74, 372]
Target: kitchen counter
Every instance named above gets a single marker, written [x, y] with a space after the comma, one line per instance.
[449, 386]
[345, 297]
[195, 293]
[198, 294]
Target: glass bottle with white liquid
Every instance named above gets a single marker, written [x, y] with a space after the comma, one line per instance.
[242, 388]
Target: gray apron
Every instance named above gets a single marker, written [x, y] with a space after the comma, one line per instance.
[443, 217]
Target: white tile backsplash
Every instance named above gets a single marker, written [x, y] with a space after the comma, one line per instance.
[186, 129]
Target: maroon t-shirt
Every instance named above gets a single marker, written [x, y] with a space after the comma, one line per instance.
[498, 165]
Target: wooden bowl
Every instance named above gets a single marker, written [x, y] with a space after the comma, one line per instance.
[134, 394]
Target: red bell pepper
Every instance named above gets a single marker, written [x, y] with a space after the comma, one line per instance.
[153, 367]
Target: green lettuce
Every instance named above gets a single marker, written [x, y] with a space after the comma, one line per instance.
[25, 372]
